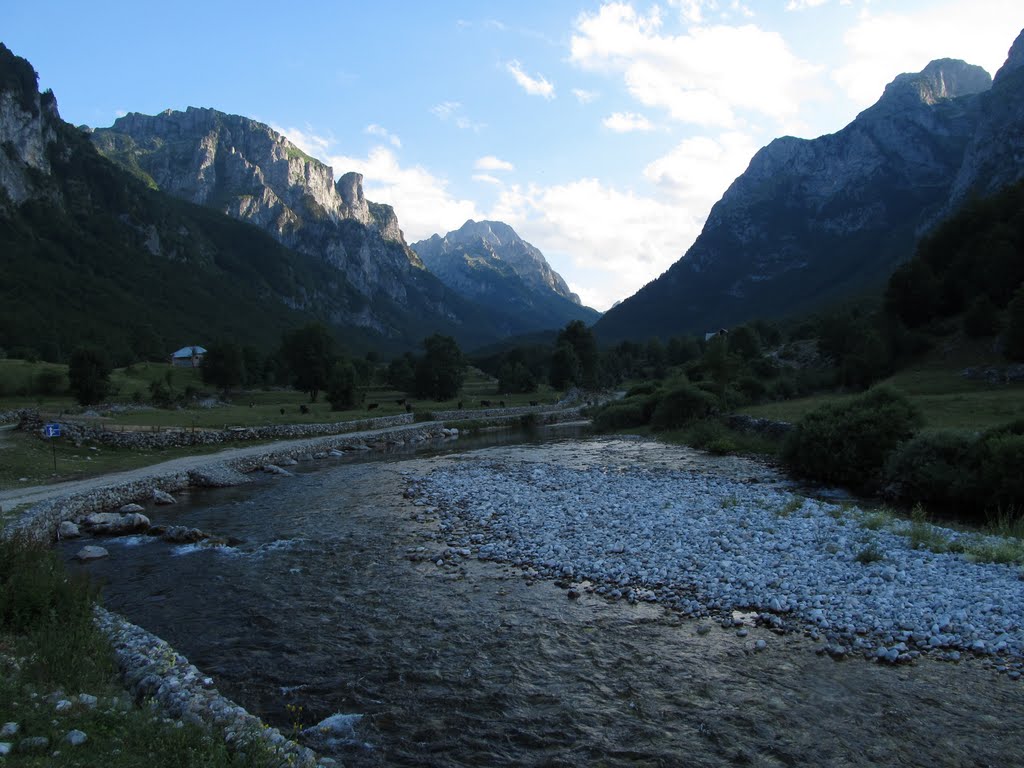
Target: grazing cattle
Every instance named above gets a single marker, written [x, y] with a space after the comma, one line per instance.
[371, 406]
[485, 403]
[460, 405]
[501, 404]
[408, 407]
[303, 408]
[282, 411]
[400, 402]
[533, 402]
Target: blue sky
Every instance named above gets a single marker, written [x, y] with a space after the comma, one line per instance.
[602, 132]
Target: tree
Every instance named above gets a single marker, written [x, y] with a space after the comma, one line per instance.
[565, 367]
[341, 387]
[439, 373]
[223, 366]
[402, 372]
[577, 335]
[309, 353]
[89, 375]
[516, 377]
[1015, 326]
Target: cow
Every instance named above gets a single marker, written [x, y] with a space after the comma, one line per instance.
[485, 403]
[400, 402]
[533, 403]
[303, 408]
[371, 406]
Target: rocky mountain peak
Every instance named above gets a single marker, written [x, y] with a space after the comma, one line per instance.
[941, 79]
[1014, 59]
[353, 203]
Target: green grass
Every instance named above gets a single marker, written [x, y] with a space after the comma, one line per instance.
[48, 644]
[947, 399]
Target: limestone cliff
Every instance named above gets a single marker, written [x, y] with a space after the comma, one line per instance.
[251, 172]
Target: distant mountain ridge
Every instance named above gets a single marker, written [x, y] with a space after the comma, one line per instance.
[814, 220]
[487, 261]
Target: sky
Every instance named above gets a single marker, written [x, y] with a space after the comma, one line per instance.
[602, 132]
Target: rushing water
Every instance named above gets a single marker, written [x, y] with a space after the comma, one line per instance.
[320, 610]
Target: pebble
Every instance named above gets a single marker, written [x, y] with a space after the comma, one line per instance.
[760, 645]
[91, 552]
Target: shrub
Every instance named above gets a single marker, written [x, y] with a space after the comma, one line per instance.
[999, 459]
[621, 414]
[681, 405]
[934, 468]
[848, 443]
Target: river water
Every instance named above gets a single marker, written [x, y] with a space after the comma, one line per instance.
[321, 610]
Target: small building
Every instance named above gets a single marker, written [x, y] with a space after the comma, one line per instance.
[188, 357]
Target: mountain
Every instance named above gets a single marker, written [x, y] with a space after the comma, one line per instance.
[88, 253]
[248, 171]
[811, 221]
[488, 262]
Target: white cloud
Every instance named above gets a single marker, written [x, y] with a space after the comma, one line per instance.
[487, 178]
[583, 96]
[626, 122]
[605, 242]
[710, 75]
[492, 163]
[698, 170]
[376, 130]
[451, 111]
[881, 46]
[535, 86]
[802, 5]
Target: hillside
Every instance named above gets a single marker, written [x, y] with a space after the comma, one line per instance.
[813, 221]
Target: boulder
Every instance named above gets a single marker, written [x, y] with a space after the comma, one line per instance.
[85, 554]
[217, 476]
[180, 534]
[162, 497]
[116, 524]
[127, 509]
[68, 530]
[273, 469]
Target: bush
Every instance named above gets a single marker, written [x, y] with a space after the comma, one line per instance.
[849, 443]
[681, 405]
[621, 414]
[934, 468]
[999, 459]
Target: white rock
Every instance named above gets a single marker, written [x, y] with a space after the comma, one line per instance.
[76, 738]
[68, 530]
[8, 729]
[162, 497]
[91, 552]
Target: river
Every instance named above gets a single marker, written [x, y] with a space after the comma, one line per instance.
[321, 610]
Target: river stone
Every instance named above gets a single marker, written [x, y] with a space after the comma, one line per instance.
[114, 523]
[180, 534]
[33, 742]
[162, 497]
[335, 731]
[127, 509]
[76, 738]
[217, 476]
[9, 729]
[273, 469]
[87, 700]
[5, 748]
[91, 552]
[68, 530]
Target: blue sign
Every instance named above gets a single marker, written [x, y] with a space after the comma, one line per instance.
[52, 430]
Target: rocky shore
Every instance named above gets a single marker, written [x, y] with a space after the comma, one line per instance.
[708, 546]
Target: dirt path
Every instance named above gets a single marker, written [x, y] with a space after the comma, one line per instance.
[16, 497]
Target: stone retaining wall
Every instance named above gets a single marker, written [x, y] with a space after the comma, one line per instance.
[40, 522]
[152, 669]
[183, 437]
[504, 416]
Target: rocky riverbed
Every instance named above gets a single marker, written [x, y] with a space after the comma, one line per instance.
[705, 544]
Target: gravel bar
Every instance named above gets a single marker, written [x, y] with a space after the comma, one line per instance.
[711, 546]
